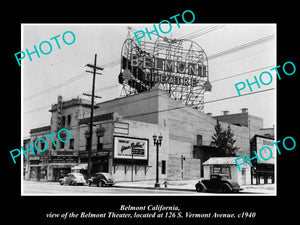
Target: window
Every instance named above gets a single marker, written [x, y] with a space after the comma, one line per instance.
[71, 143]
[69, 117]
[63, 121]
[54, 145]
[225, 170]
[42, 145]
[99, 142]
[199, 140]
[163, 166]
[62, 145]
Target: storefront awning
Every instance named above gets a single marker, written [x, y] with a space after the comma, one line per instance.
[80, 167]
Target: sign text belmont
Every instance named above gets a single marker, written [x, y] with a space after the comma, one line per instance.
[166, 65]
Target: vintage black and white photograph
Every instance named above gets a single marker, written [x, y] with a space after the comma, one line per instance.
[143, 109]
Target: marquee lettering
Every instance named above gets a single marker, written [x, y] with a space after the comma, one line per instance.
[167, 65]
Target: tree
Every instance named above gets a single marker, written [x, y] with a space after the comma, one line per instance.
[231, 149]
[224, 142]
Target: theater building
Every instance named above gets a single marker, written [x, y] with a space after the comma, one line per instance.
[126, 125]
[113, 138]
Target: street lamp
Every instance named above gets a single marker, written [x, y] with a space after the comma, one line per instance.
[157, 143]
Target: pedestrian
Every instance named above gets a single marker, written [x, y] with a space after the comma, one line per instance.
[166, 183]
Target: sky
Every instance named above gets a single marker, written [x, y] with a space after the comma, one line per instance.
[236, 52]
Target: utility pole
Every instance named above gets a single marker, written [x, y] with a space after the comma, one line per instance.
[95, 68]
[182, 159]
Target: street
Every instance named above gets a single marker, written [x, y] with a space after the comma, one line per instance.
[54, 188]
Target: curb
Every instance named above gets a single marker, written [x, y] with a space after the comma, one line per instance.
[153, 188]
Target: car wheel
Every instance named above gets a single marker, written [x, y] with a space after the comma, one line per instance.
[89, 183]
[61, 183]
[199, 188]
[101, 184]
[225, 188]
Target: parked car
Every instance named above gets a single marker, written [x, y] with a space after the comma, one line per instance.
[73, 179]
[101, 179]
[217, 183]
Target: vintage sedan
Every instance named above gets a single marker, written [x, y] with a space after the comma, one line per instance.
[73, 179]
[217, 183]
[101, 179]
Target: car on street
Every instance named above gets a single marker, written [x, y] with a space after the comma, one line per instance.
[217, 183]
[73, 179]
[101, 179]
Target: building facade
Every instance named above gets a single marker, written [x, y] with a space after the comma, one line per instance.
[262, 172]
[122, 142]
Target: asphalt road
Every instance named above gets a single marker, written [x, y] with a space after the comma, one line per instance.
[54, 188]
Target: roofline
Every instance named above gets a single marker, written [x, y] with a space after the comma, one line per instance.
[72, 102]
[40, 129]
[258, 135]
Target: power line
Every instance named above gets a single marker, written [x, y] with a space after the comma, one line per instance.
[67, 82]
[98, 89]
[184, 106]
[50, 89]
[239, 74]
[116, 85]
[246, 45]
[221, 99]
[116, 62]
[204, 31]
[194, 32]
[180, 107]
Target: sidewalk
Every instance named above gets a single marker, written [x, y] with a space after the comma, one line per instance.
[183, 185]
[189, 185]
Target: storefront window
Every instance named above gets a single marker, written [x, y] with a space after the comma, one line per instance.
[43, 174]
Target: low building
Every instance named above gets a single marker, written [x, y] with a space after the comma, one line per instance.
[227, 166]
[262, 172]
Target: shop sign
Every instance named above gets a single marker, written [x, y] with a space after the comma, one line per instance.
[130, 148]
[261, 143]
[45, 159]
[64, 152]
[121, 128]
[265, 153]
[64, 159]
